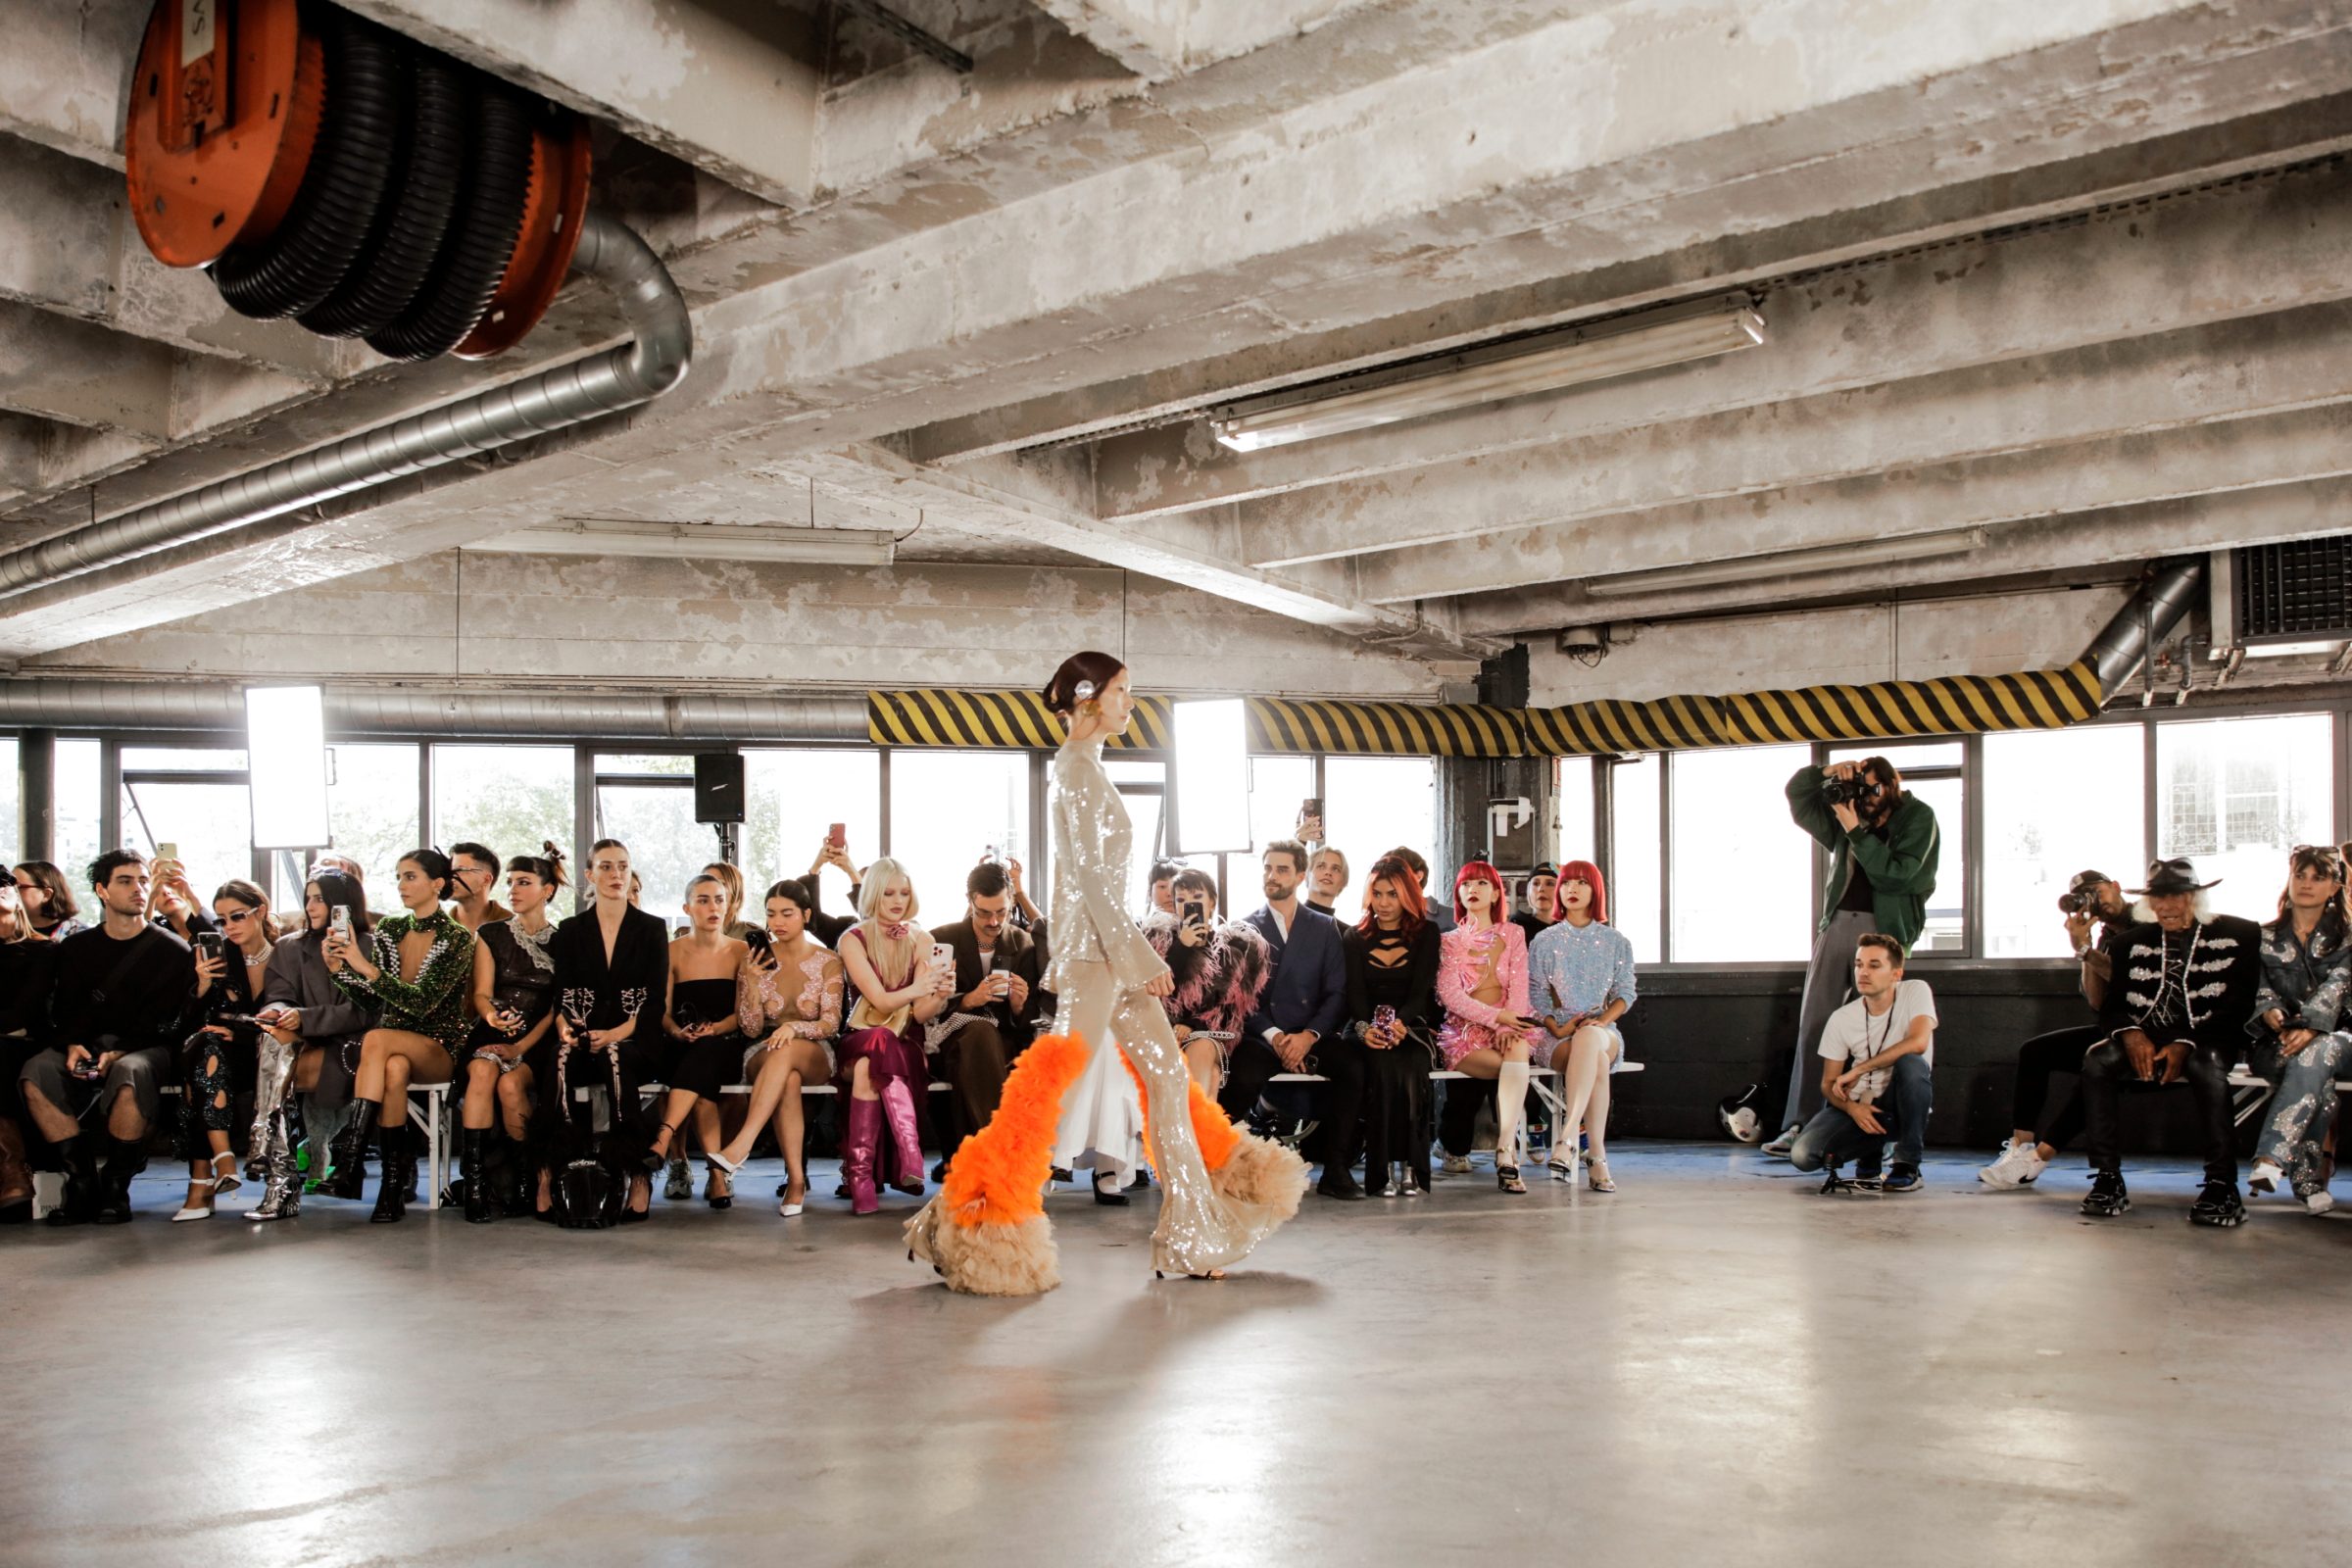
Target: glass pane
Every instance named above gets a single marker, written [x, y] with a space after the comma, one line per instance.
[673, 766]
[211, 825]
[182, 759]
[1133, 772]
[1907, 758]
[11, 802]
[795, 797]
[1277, 785]
[1633, 871]
[2055, 802]
[1376, 803]
[1143, 811]
[371, 809]
[667, 845]
[1946, 929]
[2236, 794]
[509, 799]
[1743, 871]
[948, 809]
[1574, 839]
[77, 797]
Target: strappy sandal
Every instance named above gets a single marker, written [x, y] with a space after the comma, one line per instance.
[714, 1171]
[190, 1211]
[667, 1137]
[225, 1182]
[1596, 1176]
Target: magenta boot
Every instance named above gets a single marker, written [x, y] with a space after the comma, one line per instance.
[898, 1103]
[857, 1150]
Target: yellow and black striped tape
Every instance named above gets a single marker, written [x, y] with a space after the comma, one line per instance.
[1951, 705]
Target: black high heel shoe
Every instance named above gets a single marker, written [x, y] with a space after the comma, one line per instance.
[653, 1161]
[725, 1200]
[1110, 1199]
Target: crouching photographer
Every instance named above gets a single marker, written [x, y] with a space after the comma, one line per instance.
[1882, 843]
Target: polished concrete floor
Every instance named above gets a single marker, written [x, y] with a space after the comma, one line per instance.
[1713, 1364]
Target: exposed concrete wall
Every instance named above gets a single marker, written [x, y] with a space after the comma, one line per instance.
[539, 619]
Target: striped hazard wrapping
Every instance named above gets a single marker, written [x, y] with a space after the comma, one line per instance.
[939, 716]
[1385, 729]
[1953, 705]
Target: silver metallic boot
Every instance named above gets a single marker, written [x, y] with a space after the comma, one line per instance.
[282, 1198]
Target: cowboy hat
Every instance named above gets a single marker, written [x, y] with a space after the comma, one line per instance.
[2172, 876]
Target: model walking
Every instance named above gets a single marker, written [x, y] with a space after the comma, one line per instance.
[1222, 1190]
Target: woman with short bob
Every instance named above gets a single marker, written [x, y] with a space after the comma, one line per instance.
[706, 1044]
[222, 1054]
[1482, 978]
[788, 1006]
[515, 1002]
[417, 972]
[51, 911]
[1580, 977]
[882, 1066]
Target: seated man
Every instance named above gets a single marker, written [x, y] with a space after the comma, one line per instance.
[120, 1004]
[1878, 1052]
[2094, 912]
[996, 969]
[2185, 986]
[1296, 1027]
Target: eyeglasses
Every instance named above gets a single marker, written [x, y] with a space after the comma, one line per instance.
[238, 914]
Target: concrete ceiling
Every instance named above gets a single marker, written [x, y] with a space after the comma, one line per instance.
[2068, 272]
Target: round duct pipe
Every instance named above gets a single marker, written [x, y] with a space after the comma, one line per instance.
[2148, 618]
[356, 713]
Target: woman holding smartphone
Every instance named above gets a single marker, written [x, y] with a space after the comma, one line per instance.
[1482, 978]
[901, 987]
[417, 970]
[1219, 971]
[231, 965]
[788, 1005]
[514, 997]
[1393, 1007]
[310, 1042]
[705, 1046]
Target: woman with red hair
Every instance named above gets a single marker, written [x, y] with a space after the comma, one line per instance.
[1482, 978]
[1580, 974]
[1393, 1007]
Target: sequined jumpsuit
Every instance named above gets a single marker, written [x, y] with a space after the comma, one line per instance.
[1101, 963]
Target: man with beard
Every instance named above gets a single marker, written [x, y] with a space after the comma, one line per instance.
[1298, 1015]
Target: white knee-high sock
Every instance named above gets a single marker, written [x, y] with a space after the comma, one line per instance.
[1510, 1108]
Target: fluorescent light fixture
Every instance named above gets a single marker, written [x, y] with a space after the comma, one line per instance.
[285, 757]
[1545, 363]
[1211, 779]
[1790, 563]
[697, 541]
[2309, 646]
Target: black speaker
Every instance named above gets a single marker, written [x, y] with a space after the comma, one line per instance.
[718, 787]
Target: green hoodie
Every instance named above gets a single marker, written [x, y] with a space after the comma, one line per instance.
[1902, 866]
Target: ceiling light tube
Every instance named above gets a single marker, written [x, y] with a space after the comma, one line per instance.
[698, 540]
[2302, 649]
[1790, 563]
[1673, 338]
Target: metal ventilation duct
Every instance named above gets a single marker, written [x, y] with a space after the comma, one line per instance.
[2117, 652]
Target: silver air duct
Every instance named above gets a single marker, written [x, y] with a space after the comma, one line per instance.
[2143, 623]
[605, 383]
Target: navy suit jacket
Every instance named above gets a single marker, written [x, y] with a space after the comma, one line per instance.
[1308, 988]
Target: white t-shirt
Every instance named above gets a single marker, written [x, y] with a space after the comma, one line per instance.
[1853, 1034]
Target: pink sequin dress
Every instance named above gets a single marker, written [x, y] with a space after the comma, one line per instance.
[1463, 956]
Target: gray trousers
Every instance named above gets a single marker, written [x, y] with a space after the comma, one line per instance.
[145, 1072]
[1828, 980]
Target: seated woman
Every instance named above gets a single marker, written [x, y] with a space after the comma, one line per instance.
[704, 1045]
[612, 974]
[230, 973]
[310, 1043]
[788, 1006]
[417, 970]
[24, 967]
[1482, 978]
[1393, 1007]
[51, 913]
[2298, 1043]
[1219, 970]
[882, 1067]
[514, 1000]
[1581, 975]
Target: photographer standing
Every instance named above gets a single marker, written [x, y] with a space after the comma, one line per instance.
[1883, 844]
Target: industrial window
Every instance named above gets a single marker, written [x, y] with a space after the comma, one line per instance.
[509, 799]
[1373, 804]
[1935, 773]
[2056, 803]
[1637, 856]
[646, 802]
[1742, 889]
[2236, 794]
[948, 808]
[794, 797]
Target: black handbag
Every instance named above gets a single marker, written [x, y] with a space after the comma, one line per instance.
[589, 1197]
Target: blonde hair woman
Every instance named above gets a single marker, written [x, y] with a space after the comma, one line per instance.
[881, 1066]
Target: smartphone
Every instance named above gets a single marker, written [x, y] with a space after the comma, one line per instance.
[837, 836]
[338, 920]
[166, 852]
[943, 959]
[1384, 1017]
[208, 943]
[1192, 911]
[1310, 817]
[759, 940]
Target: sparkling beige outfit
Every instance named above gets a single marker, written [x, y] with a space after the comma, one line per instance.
[1102, 963]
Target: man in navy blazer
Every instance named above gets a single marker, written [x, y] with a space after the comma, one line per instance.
[1302, 1015]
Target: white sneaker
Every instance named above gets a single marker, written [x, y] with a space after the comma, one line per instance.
[1455, 1164]
[2019, 1165]
[2264, 1177]
[1780, 1146]
[2319, 1201]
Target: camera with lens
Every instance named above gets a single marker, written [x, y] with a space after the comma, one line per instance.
[2083, 902]
[1849, 791]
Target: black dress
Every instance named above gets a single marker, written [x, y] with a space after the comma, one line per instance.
[1388, 969]
[596, 994]
[25, 971]
[522, 978]
[709, 1064]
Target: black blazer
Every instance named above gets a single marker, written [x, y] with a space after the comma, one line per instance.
[637, 978]
[2223, 982]
[1309, 987]
[1016, 951]
[1421, 1012]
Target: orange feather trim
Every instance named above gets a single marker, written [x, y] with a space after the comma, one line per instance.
[999, 1175]
[1212, 1129]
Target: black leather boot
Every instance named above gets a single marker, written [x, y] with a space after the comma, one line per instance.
[125, 1157]
[479, 1210]
[79, 1206]
[395, 1168]
[347, 1156]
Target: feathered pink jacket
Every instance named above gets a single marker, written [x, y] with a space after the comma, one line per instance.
[1217, 987]
[1463, 961]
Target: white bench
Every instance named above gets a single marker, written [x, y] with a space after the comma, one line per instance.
[2255, 1090]
[432, 1116]
[1538, 1079]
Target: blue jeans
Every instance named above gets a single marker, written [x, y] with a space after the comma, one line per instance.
[2303, 1106]
[1831, 1139]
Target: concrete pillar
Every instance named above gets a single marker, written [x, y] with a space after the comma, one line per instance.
[36, 789]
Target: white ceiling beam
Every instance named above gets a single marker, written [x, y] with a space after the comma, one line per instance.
[1159, 40]
[65, 73]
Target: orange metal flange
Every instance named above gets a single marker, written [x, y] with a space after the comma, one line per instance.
[551, 233]
[223, 110]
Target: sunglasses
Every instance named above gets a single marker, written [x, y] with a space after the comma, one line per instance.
[238, 914]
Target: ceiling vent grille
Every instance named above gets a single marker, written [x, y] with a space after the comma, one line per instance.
[2301, 590]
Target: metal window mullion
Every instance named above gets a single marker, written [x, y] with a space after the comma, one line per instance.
[2147, 792]
[583, 811]
[1972, 846]
[883, 778]
[1666, 772]
[110, 793]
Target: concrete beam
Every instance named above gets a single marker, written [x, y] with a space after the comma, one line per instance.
[2212, 257]
[2234, 369]
[75, 374]
[1159, 40]
[2272, 514]
[65, 74]
[1940, 497]
[730, 86]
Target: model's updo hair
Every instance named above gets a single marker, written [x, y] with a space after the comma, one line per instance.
[1092, 670]
[547, 865]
